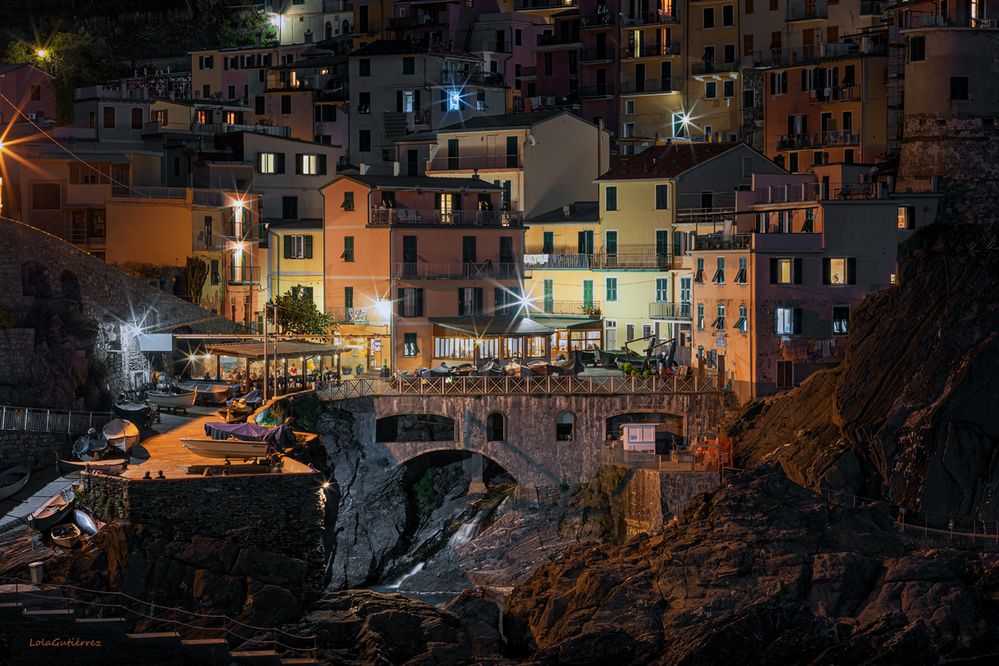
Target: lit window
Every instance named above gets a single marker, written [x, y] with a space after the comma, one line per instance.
[454, 100]
[742, 324]
[700, 316]
[310, 165]
[840, 319]
[781, 271]
[408, 101]
[906, 217]
[268, 163]
[837, 271]
[788, 321]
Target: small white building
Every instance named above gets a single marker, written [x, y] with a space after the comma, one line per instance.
[639, 437]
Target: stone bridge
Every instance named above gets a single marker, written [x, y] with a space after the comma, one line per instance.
[543, 439]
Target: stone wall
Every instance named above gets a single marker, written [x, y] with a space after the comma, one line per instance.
[240, 544]
[33, 448]
[644, 500]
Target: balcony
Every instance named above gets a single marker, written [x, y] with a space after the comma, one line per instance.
[911, 20]
[840, 94]
[419, 20]
[633, 51]
[593, 92]
[871, 7]
[594, 56]
[349, 315]
[430, 217]
[554, 307]
[597, 21]
[89, 238]
[477, 77]
[714, 242]
[829, 138]
[808, 10]
[638, 257]
[527, 5]
[704, 216]
[243, 275]
[472, 162]
[783, 57]
[469, 270]
[669, 311]
[650, 18]
[548, 42]
[708, 67]
[651, 86]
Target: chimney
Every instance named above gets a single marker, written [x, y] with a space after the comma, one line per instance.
[566, 212]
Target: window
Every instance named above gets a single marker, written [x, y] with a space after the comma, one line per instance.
[719, 277]
[699, 273]
[563, 426]
[289, 208]
[610, 198]
[348, 248]
[662, 290]
[708, 17]
[518, 37]
[629, 107]
[495, 424]
[364, 67]
[728, 89]
[662, 199]
[778, 83]
[232, 92]
[409, 346]
[45, 196]
[480, 99]
[298, 246]
[285, 104]
[740, 276]
[109, 120]
[748, 99]
[839, 271]
[917, 49]
[410, 303]
[258, 105]
[710, 90]
[364, 141]
[747, 45]
[785, 374]
[364, 103]
[470, 301]
[36, 93]
[548, 64]
[906, 217]
[787, 321]
[728, 15]
[742, 323]
[785, 271]
[748, 4]
[700, 316]
[407, 101]
[629, 130]
[680, 122]
[959, 88]
[453, 100]
[610, 242]
[774, 5]
[611, 292]
[587, 293]
[548, 291]
[137, 116]
[270, 163]
[308, 165]
[840, 319]
[409, 65]
[719, 322]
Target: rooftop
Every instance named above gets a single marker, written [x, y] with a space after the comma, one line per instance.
[508, 121]
[404, 46]
[422, 182]
[579, 211]
[668, 161]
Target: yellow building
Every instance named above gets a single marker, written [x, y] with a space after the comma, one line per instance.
[713, 91]
[295, 259]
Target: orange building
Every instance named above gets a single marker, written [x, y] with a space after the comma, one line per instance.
[417, 268]
[830, 109]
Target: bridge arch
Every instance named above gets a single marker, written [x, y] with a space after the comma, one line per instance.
[416, 427]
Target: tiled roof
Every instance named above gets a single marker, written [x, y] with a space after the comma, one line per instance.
[579, 211]
[667, 161]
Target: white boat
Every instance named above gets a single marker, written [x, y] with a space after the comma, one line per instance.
[173, 400]
[121, 434]
[212, 394]
[13, 480]
[65, 535]
[225, 448]
[88, 524]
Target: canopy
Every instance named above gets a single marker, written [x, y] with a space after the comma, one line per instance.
[511, 327]
[285, 349]
[567, 321]
[277, 436]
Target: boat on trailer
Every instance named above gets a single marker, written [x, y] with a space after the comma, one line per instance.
[107, 466]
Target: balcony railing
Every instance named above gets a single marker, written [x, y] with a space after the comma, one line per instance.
[596, 20]
[808, 10]
[470, 162]
[926, 20]
[148, 192]
[780, 57]
[557, 307]
[544, 4]
[596, 55]
[673, 311]
[605, 90]
[83, 237]
[650, 18]
[243, 275]
[838, 94]
[416, 21]
[650, 50]
[650, 86]
[350, 315]
[545, 39]
[712, 67]
[626, 258]
[478, 218]
[470, 270]
[819, 139]
[477, 77]
[713, 242]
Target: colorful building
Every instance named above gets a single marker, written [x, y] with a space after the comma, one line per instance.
[713, 88]
[295, 259]
[30, 89]
[773, 295]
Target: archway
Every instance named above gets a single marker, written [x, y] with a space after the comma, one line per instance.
[329, 30]
[35, 281]
[495, 427]
[415, 428]
[564, 424]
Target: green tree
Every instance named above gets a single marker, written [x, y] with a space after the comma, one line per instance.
[196, 274]
[295, 312]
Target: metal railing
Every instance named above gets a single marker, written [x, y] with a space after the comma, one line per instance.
[548, 39]
[723, 242]
[551, 306]
[807, 10]
[596, 20]
[31, 419]
[349, 315]
[651, 86]
[545, 4]
[470, 162]
[149, 192]
[779, 57]
[712, 67]
[714, 215]
[676, 461]
[418, 216]
[472, 270]
[650, 18]
[596, 55]
[671, 310]
[650, 50]
[625, 258]
[243, 274]
[827, 138]
[605, 90]
[838, 94]
[516, 386]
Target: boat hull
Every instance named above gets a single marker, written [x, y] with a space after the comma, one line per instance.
[14, 480]
[105, 466]
[65, 535]
[225, 448]
[121, 434]
[88, 524]
[173, 400]
[51, 513]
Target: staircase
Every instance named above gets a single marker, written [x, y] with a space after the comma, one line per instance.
[34, 614]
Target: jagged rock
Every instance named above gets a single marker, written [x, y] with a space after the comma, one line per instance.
[760, 571]
[217, 555]
[271, 605]
[269, 567]
[220, 592]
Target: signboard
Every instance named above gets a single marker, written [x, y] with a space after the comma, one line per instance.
[155, 342]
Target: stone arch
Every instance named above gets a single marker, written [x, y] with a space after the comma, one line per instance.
[508, 463]
[328, 33]
[69, 287]
[35, 280]
[496, 427]
[416, 427]
[565, 425]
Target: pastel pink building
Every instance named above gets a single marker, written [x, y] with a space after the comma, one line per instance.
[28, 87]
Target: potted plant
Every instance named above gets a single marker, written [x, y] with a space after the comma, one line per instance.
[345, 370]
[359, 369]
[385, 371]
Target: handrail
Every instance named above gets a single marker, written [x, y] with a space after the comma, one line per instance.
[32, 419]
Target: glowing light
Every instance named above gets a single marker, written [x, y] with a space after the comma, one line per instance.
[1, 145]
[454, 100]
[41, 53]
[383, 308]
[275, 20]
[326, 485]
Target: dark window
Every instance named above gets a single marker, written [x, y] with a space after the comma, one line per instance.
[548, 242]
[410, 302]
[364, 141]
[348, 248]
[728, 15]
[364, 103]
[364, 67]
[45, 196]
[495, 429]
[409, 65]
[662, 201]
[216, 272]
[285, 104]
[840, 319]
[409, 346]
[563, 426]
[109, 116]
[709, 17]
[511, 151]
[548, 64]
[258, 105]
[137, 116]
[348, 201]
[959, 87]
[348, 297]
[917, 49]
[785, 374]
[610, 198]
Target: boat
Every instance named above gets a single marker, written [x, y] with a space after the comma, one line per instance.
[121, 434]
[212, 394]
[173, 400]
[13, 480]
[238, 440]
[572, 365]
[88, 524]
[90, 446]
[541, 369]
[225, 448]
[65, 535]
[51, 513]
[141, 414]
[608, 358]
[635, 363]
[112, 466]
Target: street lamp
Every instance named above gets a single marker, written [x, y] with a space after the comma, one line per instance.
[41, 53]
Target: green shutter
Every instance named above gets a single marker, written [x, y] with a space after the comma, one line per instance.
[287, 247]
[308, 246]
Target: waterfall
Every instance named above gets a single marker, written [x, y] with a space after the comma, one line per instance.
[412, 572]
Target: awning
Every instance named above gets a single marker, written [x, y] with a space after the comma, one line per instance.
[285, 349]
[556, 321]
[511, 327]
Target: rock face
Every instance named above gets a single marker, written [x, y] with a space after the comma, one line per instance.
[913, 411]
[760, 571]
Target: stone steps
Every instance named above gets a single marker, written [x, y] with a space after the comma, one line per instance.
[256, 657]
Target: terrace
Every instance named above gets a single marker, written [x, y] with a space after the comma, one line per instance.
[419, 217]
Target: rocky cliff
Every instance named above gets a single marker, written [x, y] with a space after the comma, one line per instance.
[912, 414]
[761, 571]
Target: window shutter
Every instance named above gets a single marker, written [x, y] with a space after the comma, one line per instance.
[400, 302]
[398, 100]
[797, 270]
[498, 300]
[287, 247]
[308, 246]
[851, 270]
[280, 162]
[477, 294]
[322, 165]
[826, 270]
[461, 302]
[796, 329]
[419, 302]
[437, 200]
[298, 164]
[774, 271]
[260, 162]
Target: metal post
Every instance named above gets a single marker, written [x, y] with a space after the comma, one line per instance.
[48, 413]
